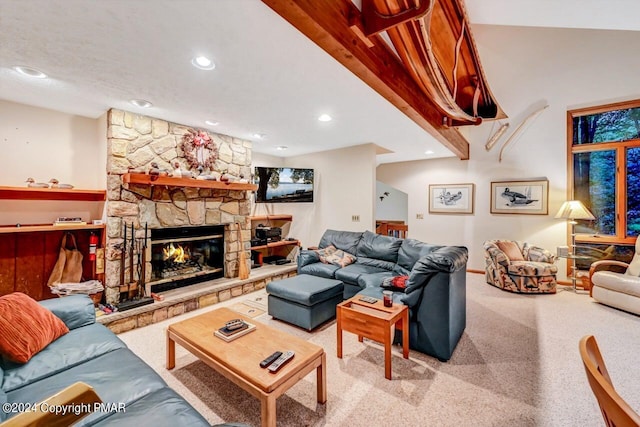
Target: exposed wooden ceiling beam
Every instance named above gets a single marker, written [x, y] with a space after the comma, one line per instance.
[334, 26]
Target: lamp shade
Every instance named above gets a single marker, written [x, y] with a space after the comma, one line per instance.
[574, 209]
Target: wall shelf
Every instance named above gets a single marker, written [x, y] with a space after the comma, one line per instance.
[27, 193]
[48, 227]
[277, 244]
[282, 217]
[152, 180]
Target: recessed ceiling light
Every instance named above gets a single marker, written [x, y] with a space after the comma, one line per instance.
[30, 72]
[203, 63]
[259, 135]
[428, 152]
[325, 118]
[281, 147]
[141, 103]
[211, 123]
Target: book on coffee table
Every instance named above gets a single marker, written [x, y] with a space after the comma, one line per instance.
[228, 336]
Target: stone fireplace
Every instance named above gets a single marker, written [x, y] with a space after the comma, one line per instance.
[211, 215]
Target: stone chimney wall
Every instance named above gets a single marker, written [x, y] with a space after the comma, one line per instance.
[133, 143]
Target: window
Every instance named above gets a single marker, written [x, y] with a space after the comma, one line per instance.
[604, 168]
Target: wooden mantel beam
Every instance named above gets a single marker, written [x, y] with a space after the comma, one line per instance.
[331, 24]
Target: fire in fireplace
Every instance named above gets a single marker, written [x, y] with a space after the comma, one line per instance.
[183, 256]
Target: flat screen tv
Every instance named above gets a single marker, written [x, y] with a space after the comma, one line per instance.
[283, 185]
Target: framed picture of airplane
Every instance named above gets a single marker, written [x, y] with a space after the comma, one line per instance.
[520, 197]
[451, 198]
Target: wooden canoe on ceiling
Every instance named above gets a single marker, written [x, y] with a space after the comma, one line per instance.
[437, 49]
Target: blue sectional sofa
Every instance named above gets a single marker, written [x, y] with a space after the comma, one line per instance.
[435, 289]
[92, 354]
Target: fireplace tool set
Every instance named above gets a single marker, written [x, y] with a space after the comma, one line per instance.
[132, 291]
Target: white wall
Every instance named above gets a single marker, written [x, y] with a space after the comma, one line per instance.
[393, 206]
[344, 186]
[45, 144]
[526, 67]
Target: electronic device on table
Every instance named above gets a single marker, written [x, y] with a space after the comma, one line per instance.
[270, 234]
[281, 361]
[233, 329]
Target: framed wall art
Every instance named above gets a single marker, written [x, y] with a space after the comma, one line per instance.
[520, 197]
[451, 198]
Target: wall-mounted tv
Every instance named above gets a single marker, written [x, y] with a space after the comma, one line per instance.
[283, 185]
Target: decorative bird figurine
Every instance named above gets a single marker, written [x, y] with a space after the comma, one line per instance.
[56, 184]
[33, 184]
[156, 170]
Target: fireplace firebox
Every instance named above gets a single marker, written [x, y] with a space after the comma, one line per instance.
[182, 256]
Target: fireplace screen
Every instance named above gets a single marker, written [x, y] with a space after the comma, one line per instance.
[186, 255]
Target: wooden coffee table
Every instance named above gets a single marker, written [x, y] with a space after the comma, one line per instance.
[239, 360]
[376, 322]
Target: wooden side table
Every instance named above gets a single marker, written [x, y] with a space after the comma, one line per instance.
[376, 322]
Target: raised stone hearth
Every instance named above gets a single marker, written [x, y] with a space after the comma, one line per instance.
[133, 143]
[184, 300]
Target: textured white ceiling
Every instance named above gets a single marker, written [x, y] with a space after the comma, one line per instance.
[269, 78]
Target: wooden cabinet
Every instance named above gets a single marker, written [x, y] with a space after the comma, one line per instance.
[283, 248]
[29, 252]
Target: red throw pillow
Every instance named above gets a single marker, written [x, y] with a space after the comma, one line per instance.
[396, 283]
[26, 327]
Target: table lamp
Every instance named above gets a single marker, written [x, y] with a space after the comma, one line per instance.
[573, 210]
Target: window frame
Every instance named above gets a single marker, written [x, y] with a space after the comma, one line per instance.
[620, 149]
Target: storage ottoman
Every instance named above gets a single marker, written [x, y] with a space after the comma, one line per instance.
[304, 300]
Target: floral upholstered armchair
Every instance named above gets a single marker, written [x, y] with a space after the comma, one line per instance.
[520, 267]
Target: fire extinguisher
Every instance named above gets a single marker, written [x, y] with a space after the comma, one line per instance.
[93, 244]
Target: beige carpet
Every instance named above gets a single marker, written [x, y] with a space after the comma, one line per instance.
[516, 365]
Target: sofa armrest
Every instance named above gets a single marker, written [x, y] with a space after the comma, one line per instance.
[447, 259]
[307, 257]
[79, 396]
[74, 310]
[538, 254]
[605, 265]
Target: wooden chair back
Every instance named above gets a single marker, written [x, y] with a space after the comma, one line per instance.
[615, 411]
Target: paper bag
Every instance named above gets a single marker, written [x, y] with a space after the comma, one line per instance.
[68, 268]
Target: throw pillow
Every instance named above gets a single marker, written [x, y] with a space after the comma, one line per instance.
[395, 283]
[26, 327]
[511, 250]
[331, 255]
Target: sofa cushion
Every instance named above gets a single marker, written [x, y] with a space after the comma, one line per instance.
[345, 240]
[373, 280]
[378, 246]
[162, 407]
[74, 310]
[26, 327]
[117, 377]
[622, 283]
[531, 268]
[380, 263]
[76, 347]
[331, 255]
[351, 273]
[319, 269]
[510, 249]
[411, 251]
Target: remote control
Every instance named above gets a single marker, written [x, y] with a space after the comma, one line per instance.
[269, 360]
[281, 361]
[234, 324]
[370, 300]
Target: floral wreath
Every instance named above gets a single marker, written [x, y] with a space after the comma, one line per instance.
[199, 149]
